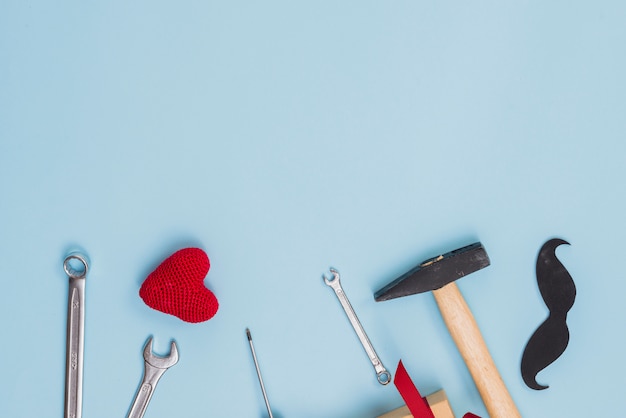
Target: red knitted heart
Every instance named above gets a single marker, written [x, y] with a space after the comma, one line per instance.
[176, 287]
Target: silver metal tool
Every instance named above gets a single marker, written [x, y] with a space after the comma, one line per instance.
[154, 367]
[383, 376]
[76, 266]
[258, 373]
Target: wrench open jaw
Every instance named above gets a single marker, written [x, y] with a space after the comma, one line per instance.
[160, 362]
[154, 367]
[333, 281]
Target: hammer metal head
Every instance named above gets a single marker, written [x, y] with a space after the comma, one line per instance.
[436, 272]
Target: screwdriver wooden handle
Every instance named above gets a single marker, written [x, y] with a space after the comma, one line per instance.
[468, 339]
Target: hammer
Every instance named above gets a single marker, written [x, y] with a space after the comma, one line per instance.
[438, 274]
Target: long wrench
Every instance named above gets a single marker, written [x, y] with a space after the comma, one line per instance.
[75, 335]
[154, 367]
[383, 376]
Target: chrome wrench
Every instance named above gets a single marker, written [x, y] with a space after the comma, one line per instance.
[383, 376]
[154, 367]
[75, 335]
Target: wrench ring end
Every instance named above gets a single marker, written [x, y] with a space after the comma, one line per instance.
[71, 271]
[383, 377]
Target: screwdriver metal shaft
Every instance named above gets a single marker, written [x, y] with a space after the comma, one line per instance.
[258, 372]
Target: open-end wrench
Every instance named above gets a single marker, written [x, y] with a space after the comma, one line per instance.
[383, 376]
[154, 367]
[75, 334]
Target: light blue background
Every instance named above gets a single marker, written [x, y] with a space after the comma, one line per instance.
[288, 137]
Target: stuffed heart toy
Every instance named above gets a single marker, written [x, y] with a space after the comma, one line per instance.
[176, 287]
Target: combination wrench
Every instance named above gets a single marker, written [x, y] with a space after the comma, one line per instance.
[383, 376]
[154, 367]
[75, 266]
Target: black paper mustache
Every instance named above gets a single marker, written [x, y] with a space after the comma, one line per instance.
[551, 338]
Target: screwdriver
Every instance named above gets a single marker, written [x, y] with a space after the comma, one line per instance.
[258, 372]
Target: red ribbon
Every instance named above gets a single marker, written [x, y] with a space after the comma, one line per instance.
[417, 405]
[414, 401]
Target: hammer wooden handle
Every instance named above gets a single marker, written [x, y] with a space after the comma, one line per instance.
[469, 341]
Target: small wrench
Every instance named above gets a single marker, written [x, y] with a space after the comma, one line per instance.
[75, 335]
[154, 367]
[383, 376]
